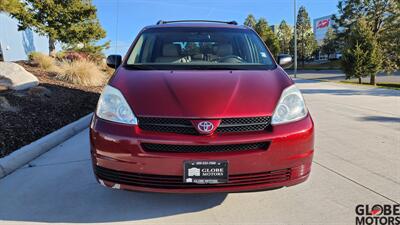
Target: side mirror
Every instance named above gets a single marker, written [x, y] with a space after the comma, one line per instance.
[114, 61]
[285, 61]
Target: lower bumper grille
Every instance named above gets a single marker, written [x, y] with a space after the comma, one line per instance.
[174, 182]
[150, 147]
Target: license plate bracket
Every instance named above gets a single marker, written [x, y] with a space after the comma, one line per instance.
[205, 171]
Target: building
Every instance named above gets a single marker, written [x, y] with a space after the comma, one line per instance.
[16, 45]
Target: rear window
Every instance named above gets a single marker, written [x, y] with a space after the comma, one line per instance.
[199, 48]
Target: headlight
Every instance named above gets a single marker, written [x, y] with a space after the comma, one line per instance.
[112, 106]
[291, 106]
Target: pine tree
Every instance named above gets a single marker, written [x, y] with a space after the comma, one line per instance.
[284, 36]
[388, 38]
[67, 21]
[359, 66]
[268, 36]
[250, 21]
[10, 6]
[329, 43]
[361, 53]
[383, 20]
[305, 38]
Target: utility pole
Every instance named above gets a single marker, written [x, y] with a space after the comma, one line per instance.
[295, 40]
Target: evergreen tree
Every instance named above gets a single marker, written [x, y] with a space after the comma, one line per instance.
[359, 62]
[250, 21]
[305, 38]
[284, 36]
[383, 20]
[329, 43]
[268, 36]
[361, 53]
[10, 6]
[67, 21]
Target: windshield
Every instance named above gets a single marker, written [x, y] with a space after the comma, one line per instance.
[199, 48]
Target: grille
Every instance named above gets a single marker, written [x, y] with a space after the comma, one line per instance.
[171, 125]
[150, 147]
[184, 126]
[246, 124]
[245, 120]
[173, 182]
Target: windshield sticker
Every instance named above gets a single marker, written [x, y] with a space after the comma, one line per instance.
[263, 54]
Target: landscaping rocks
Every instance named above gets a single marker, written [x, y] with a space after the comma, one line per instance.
[39, 116]
[39, 91]
[14, 76]
[5, 84]
[30, 114]
[5, 105]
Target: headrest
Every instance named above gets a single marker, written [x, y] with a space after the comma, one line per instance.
[224, 50]
[170, 50]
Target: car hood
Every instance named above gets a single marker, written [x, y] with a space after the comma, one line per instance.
[201, 93]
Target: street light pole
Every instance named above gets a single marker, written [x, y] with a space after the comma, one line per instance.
[295, 40]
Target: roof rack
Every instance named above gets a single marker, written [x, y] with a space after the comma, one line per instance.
[196, 21]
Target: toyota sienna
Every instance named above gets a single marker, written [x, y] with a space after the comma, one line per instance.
[200, 106]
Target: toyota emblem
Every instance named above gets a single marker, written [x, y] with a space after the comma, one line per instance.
[205, 127]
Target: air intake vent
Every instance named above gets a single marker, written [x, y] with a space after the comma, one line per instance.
[150, 147]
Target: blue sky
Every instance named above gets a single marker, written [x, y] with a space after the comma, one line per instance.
[123, 19]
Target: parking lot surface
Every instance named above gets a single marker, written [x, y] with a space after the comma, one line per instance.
[356, 162]
[337, 75]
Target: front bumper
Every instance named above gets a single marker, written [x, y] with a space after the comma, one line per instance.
[120, 162]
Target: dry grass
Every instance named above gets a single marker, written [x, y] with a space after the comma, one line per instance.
[56, 69]
[106, 69]
[81, 72]
[45, 62]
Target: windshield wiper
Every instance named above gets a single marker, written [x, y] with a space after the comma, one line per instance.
[139, 67]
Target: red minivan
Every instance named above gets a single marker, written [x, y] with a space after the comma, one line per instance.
[200, 106]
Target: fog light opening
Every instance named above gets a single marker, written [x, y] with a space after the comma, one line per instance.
[301, 170]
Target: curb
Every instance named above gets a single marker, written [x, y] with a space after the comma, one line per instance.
[316, 79]
[29, 152]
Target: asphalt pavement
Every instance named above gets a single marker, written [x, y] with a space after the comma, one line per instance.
[356, 162]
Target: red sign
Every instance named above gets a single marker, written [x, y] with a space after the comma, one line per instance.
[323, 23]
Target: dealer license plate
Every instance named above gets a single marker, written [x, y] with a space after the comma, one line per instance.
[205, 172]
